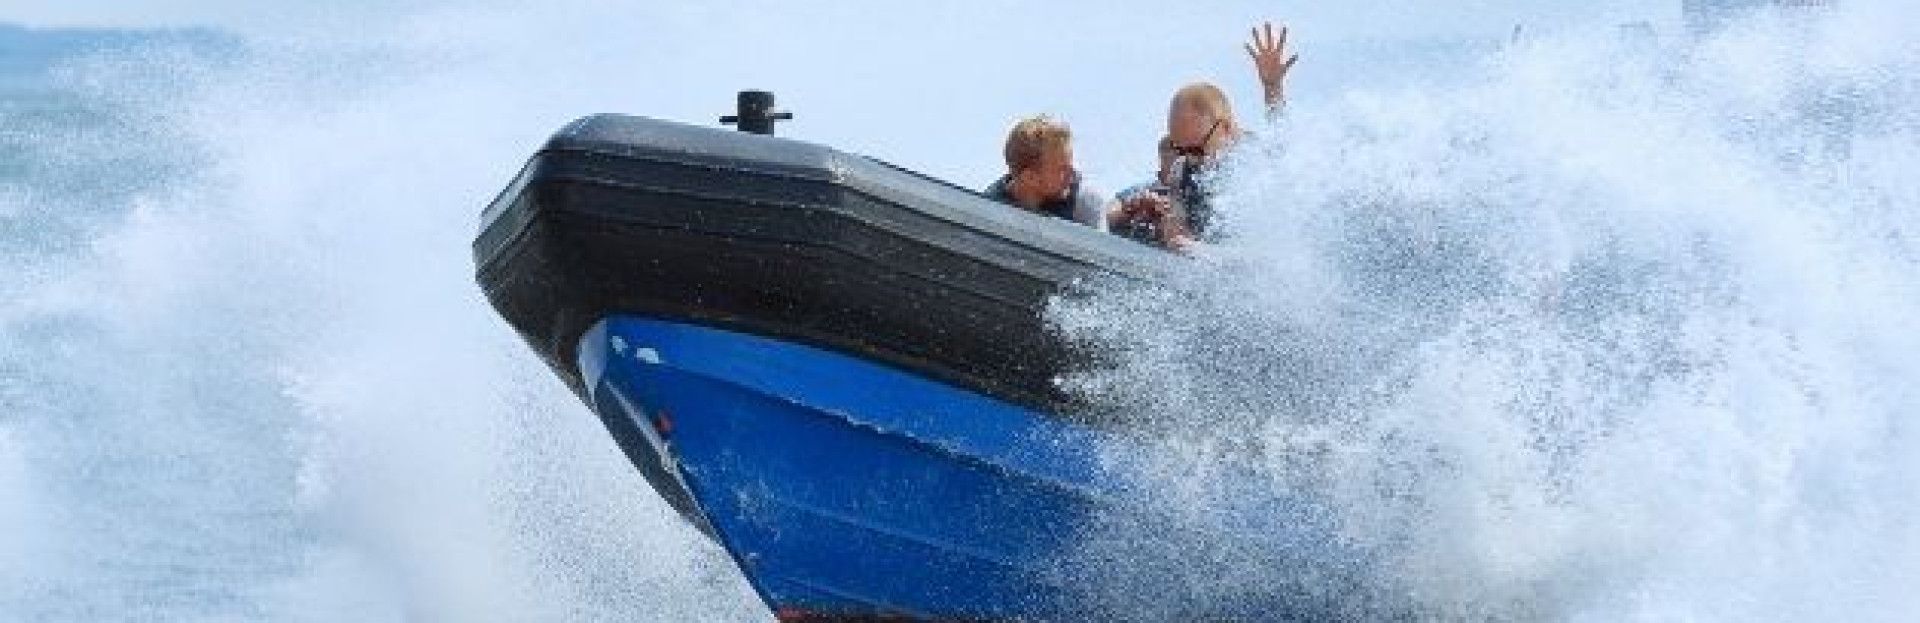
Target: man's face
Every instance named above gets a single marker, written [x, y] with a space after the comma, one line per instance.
[1052, 177]
[1187, 126]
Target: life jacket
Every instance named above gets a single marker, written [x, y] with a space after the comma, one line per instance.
[1058, 208]
[1197, 199]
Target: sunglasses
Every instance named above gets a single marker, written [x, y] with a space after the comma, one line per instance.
[1197, 151]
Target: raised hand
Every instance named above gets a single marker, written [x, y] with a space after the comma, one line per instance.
[1271, 59]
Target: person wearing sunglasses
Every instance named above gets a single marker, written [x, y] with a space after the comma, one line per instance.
[1041, 177]
[1202, 127]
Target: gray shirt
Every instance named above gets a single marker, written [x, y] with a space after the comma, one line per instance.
[1090, 207]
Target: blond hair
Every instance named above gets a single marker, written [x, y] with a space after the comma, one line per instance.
[1206, 99]
[1033, 138]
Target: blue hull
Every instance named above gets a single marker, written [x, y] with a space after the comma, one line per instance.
[848, 488]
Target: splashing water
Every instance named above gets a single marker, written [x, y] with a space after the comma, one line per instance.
[246, 374]
[1605, 331]
[1618, 330]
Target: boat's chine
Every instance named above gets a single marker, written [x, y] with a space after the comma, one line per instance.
[844, 486]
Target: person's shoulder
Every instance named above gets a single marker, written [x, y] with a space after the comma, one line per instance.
[1090, 206]
[1091, 192]
[1093, 199]
[1255, 144]
[999, 191]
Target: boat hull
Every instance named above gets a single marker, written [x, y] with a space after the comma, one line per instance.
[849, 488]
[843, 373]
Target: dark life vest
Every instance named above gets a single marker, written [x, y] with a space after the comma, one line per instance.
[1058, 208]
[1197, 199]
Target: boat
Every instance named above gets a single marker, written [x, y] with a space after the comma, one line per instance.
[837, 369]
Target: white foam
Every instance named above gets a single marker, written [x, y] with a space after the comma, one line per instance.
[1608, 333]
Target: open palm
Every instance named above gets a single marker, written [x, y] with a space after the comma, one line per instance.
[1270, 57]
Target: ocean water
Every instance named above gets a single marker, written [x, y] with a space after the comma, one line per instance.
[1585, 325]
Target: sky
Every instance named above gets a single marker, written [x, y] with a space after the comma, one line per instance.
[928, 85]
[1433, 17]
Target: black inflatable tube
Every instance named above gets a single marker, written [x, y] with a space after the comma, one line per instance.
[620, 214]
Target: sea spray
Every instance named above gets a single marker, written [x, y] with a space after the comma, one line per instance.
[1616, 331]
[247, 374]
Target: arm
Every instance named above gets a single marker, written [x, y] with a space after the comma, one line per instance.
[1271, 60]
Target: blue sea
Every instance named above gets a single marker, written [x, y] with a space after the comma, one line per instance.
[1592, 320]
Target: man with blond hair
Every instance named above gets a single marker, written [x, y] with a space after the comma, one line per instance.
[1041, 178]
